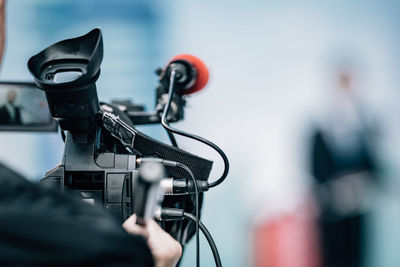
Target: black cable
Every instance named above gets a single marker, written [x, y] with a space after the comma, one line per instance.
[165, 124]
[181, 205]
[196, 189]
[172, 138]
[179, 214]
[208, 236]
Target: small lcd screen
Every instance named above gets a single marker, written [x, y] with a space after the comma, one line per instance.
[24, 107]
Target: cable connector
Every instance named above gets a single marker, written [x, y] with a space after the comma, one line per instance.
[169, 163]
[169, 214]
[182, 186]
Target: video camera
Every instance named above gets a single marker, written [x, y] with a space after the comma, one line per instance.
[109, 163]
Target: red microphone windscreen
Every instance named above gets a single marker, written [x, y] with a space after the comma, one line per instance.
[202, 72]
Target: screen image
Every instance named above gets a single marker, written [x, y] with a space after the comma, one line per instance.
[23, 105]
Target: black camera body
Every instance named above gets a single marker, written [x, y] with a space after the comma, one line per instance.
[101, 179]
[67, 72]
[103, 149]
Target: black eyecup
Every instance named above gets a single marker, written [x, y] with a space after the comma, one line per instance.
[84, 53]
[67, 71]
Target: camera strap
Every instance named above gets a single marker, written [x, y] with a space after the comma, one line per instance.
[143, 145]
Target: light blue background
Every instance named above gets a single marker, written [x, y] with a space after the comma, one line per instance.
[269, 63]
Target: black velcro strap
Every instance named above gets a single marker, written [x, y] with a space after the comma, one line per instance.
[147, 146]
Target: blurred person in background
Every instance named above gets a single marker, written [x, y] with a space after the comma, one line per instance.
[344, 168]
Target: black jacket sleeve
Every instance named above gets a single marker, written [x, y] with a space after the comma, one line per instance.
[42, 227]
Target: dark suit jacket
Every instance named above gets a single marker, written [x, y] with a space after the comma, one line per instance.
[5, 117]
[342, 238]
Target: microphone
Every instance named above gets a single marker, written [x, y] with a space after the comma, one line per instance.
[190, 76]
[191, 73]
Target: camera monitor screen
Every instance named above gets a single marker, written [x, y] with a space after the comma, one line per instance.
[23, 107]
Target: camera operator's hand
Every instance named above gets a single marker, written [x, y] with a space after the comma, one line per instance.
[165, 249]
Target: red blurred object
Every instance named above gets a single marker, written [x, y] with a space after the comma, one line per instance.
[202, 72]
[288, 240]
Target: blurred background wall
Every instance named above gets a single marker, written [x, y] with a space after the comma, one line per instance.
[272, 75]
